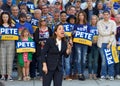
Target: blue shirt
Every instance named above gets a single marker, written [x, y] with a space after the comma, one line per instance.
[25, 25]
[116, 6]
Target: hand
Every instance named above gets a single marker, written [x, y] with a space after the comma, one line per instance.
[42, 43]
[45, 70]
[108, 46]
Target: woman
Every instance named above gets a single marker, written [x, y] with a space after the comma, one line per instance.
[40, 36]
[93, 54]
[7, 48]
[80, 49]
[52, 53]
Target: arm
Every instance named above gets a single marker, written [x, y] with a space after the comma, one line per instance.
[100, 30]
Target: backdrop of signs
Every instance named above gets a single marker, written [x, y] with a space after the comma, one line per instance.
[9, 33]
[25, 47]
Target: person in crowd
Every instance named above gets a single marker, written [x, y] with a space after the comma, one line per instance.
[72, 21]
[66, 61]
[106, 39]
[7, 48]
[77, 5]
[90, 10]
[46, 2]
[116, 6]
[1, 3]
[45, 11]
[35, 19]
[72, 10]
[99, 7]
[51, 9]
[29, 17]
[117, 65]
[40, 3]
[58, 6]
[42, 33]
[56, 16]
[23, 24]
[49, 20]
[81, 49]
[54, 49]
[24, 8]
[15, 13]
[25, 58]
[70, 3]
[6, 6]
[109, 6]
[29, 4]
[93, 54]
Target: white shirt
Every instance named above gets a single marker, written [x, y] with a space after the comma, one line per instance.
[58, 44]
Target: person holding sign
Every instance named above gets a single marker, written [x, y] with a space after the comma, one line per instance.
[93, 53]
[80, 43]
[106, 39]
[25, 58]
[52, 53]
[41, 34]
[7, 47]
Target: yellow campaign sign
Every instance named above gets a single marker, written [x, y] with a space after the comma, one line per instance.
[95, 37]
[118, 47]
[68, 33]
[9, 33]
[34, 28]
[82, 41]
[114, 54]
[9, 37]
[25, 47]
[22, 50]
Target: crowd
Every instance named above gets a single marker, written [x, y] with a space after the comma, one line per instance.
[80, 19]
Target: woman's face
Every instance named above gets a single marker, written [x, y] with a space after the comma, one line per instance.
[5, 18]
[26, 33]
[81, 16]
[60, 32]
[94, 20]
[43, 23]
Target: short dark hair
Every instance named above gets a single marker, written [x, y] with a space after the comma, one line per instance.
[106, 11]
[21, 15]
[63, 12]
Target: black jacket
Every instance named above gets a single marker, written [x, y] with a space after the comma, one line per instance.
[37, 40]
[52, 56]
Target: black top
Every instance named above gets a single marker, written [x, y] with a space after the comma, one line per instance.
[51, 54]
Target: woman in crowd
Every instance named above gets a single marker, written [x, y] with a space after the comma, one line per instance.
[52, 53]
[40, 36]
[80, 49]
[7, 48]
[93, 55]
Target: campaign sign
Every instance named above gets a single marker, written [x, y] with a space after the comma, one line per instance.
[31, 6]
[67, 29]
[111, 55]
[9, 33]
[95, 32]
[83, 38]
[34, 23]
[25, 47]
[108, 56]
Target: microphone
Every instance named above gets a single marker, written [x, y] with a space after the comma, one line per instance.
[68, 39]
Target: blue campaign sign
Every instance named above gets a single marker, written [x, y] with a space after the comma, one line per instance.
[25, 47]
[9, 33]
[83, 38]
[68, 30]
[108, 56]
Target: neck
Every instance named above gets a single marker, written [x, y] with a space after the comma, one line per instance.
[22, 23]
[81, 22]
[25, 37]
[93, 24]
[106, 20]
[43, 26]
[58, 38]
[63, 22]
